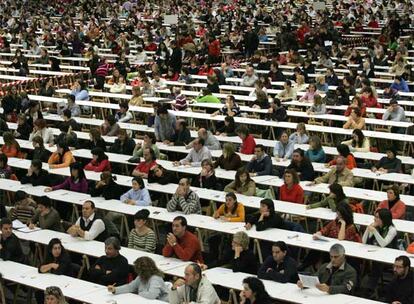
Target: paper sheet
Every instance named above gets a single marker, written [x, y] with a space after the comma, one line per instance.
[308, 281]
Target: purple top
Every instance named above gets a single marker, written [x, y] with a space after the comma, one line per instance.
[69, 184]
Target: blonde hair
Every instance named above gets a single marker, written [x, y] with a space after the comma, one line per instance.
[242, 238]
[228, 149]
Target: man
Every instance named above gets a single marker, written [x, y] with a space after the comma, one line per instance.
[337, 276]
[231, 108]
[46, 217]
[249, 78]
[400, 290]
[330, 78]
[69, 121]
[302, 165]
[194, 288]
[144, 167]
[395, 113]
[10, 247]
[158, 82]
[184, 199]
[275, 74]
[123, 115]
[399, 84]
[181, 243]
[251, 41]
[279, 267]
[340, 174]
[89, 226]
[112, 268]
[210, 141]
[283, 148]
[36, 175]
[164, 125]
[197, 154]
[261, 163]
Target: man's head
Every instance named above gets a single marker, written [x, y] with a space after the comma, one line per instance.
[279, 251]
[249, 71]
[340, 163]
[198, 144]
[6, 228]
[43, 204]
[149, 154]
[179, 226]
[259, 151]
[394, 104]
[123, 107]
[88, 208]
[36, 165]
[202, 133]
[112, 247]
[401, 266]
[67, 114]
[337, 254]
[192, 275]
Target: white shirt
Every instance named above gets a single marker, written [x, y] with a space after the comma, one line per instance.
[96, 229]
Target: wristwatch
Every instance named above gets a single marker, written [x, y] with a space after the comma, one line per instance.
[174, 244]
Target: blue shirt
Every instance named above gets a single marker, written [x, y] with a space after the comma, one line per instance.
[401, 87]
[141, 197]
[284, 151]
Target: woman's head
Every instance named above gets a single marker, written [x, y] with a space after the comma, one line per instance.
[254, 290]
[240, 239]
[312, 88]
[55, 248]
[231, 202]
[344, 212]
[317, 100]
[207, 165]
[301, 128]
[40, 124]
[76, 171]
[290, 177]
[158, 170]
[337, 190]
[54, 295]
[62, 147]
[242, 176]
[267, 205]
[149, 139]
[145, 268]
[228, 149]
[393, 193]
[358, 137]
[383, 218]
[98, 154]
[242, 132]
[315, 143]
[356, 113]
[343, 150]
[141, 218]
[94, 134]
[229, 121]
[138, 183]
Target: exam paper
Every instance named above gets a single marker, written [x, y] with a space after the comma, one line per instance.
[308, 281]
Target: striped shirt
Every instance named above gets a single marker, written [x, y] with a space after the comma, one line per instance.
[144, 242]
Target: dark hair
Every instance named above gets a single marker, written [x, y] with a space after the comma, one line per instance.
[201, 141]
[124, 105]
[52, 243]
[385, 216]
[37, 163]
[346, 213]
[260, 146]
[45, 201]
[357, 111]
[100, 153]
[71, 97]
[182, 219]
[360, 136]
[396, 191]
[282, 245]
[239, 172]
[111, 119]
[294, 174]
[67, 113]
[230, 120]
[405, 260]
[242, 130]
[20, 195]
[233, 210]
[142, 214]
[77, 166]
[162, 110]
[337, 189]
[257, 287]
[90, 202]
[343, 150]
[3, 159]
[270, 205]
[152, 152]
[140, 181]
[5, 221]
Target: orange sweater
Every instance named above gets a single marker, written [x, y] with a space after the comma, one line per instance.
[54, 160]
[10, 151]
[238, 217]
[350, 162]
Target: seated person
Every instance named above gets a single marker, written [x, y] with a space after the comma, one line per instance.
[182, 136]
[184, 199]
[46, 217]
[242, 183]
[343, 150]
[231, 210]
[142, 237]
[207, 97]
[335, 197]
[112, 268]
[284, 147]
[158, 174]
[394, 112]
[394, 203]
[300, 136]
[123, 144]
[5, 169]
[248, 142]
[24, 207]
[261, 163]
[100, 161]
[138, 195]
[210, 141]
[400, 289]
[318, 107]
[302, 165]
[337, 276]
[207, 177]
[244, 259]
[358, 143]
[196, 155]
[123, 115]
[62, 158]
[149, 142]
[10, 247]
[36, 175]
[230, 109]
[389, 163]
[355, 120]
[339, 174]
[315, 153]
[143, 168]
[75, 182]
[229, 160]
[291, 191]
[266, 217]
[181, 243]
[279, 267]
[57, 259]
[288, 93]
[106, 187]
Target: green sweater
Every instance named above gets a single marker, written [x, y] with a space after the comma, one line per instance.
[328, 201]
[208, 99]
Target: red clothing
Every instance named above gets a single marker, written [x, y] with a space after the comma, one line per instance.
[205, 72]
[293, 195]
[145, 167]
[397, 211]
[173, 77]
[248, 144]
[301, 34]
[350, 162]
[152, 47]
[373, 24]
[201, 31]
[332, 230]
[363, 111]
[370, 102]
[214, 48]
[10, 151]
[102, 166]
[187, 249]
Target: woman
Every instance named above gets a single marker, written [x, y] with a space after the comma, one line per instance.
[355, 120]
[389, 163]
[318, 107]
[149, 282]
[343, 150]
[244, 259]
[368, 99]
[10, 147]
[149, 142]
[40, 129]
[47, 88]
[254, 292]
[182, 136]
[266, 217]
[80, 90]
[291, 191]
[33, 112]
[341, 228]
[142, 237]
[136, 99]
[228, 128]
[110, 127]
[57, 259]
[138, 195]
[358, 143]
[333, 200]
[106, 187]
[207, 177]
[39, 151]
[75, 182]
[53, 295]
[394, 203]
[300, 136]
[229, 159]
[310, 94]
[95, 140]
[356, 103]
[99, 162]
[242, 184]
[315, 153]
[62, 158]
[23, 127]
[248, 142]
[231, 210]
[158, 174]
[321, 85]
[123, 144]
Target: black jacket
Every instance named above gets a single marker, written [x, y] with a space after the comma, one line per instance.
[285, 272]
[42, 179]
[272, 221]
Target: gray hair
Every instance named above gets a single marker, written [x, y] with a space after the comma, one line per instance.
[338, 249]
[114, 242]
[242, 238]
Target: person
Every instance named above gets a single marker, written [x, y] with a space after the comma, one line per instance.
[394, 203]
[249, 78]
[36, 175]
[100, 161]
[244, 259]
[182, 136]
[40, 129]
[70, 122]
[394, 112]
[110, 127]
[207, 97]
[57, 260]
[389, 163]
[279, 267]
[335, 197]
[158, 174]
[138, 195]
[106, 187]
[288, 93]
[149, 142]
[11, 147]
[136, 99]
[24, 207]
[355, 120]
[315, 152]
[341, 228]
[400, 289]
[337, 276]
[164, 125]
[194, 288]
[399, 84]
[111, 268]
[254, 292]
[10, 247]
[284, 147]
[300, 136]
[123, 144]
[266, 217]
[149, 282]
[356, 103]
[45, 217]
[71, 105]
[61, 158]
[339, 174]
[248, 142]
[229, 159]
[23, 128]
[343, 150]
[181, 243]
[310, 94]
[261, 163]
[230, 109]
[95, 140]
[242, 183]
[302, 165]
[210, 141]
[228, 128]
[123, 115]
[197, 154]
[382, 231]
[39, 151]
[291, 191]
[231, 210]
[89, 226]
[142, 237]
[207, 177]
[54, 295]
[5, 169]
[75, 182]
[358, 143]
[184, 199]
[143, 168]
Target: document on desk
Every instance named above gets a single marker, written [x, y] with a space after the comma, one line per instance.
[308, 281]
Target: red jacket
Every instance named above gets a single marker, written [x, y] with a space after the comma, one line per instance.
[102, 166]
[293, 195]
[145, 167]
[187, 249]
[248, 144]
[214, 48]
[397, 211]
